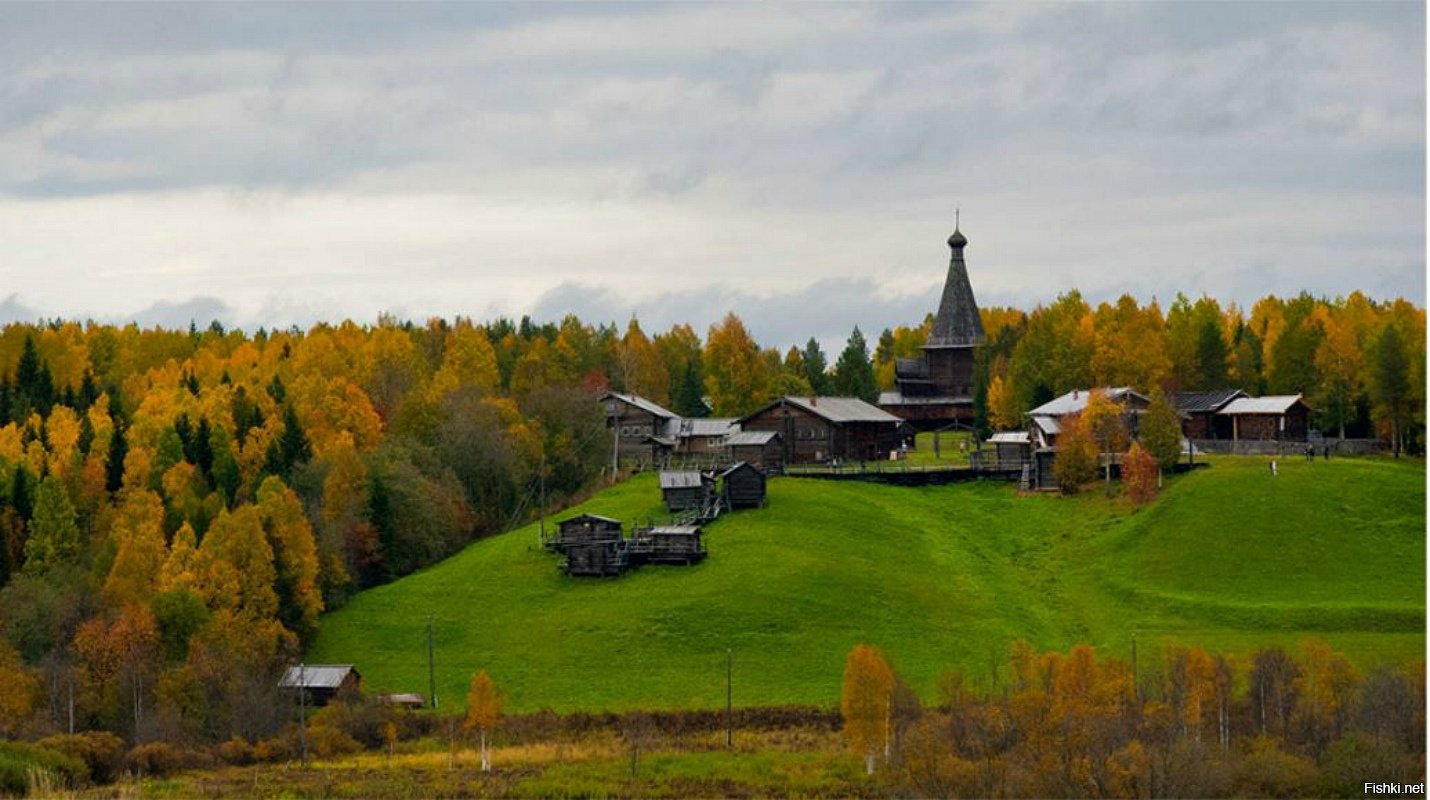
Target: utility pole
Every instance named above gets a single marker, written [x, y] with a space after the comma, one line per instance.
[431, 669]
[543, 498]
[303, 712]
[1136, 685]
[729, 699]
[615, 438]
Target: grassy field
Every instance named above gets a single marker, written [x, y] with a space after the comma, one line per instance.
[797, 763]
[1228, 558]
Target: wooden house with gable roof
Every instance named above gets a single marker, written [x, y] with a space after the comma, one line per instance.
[937, 388]
[818, 429]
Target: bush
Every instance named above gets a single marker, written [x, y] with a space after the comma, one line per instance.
[162, 758]
[360, 718]
[279, 748]
[101, 751]
[327, 741]
[19, 760]
[236, 752]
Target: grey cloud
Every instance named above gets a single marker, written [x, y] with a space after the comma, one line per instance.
[199, 311]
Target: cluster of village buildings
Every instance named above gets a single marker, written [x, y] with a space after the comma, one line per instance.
[932, 392]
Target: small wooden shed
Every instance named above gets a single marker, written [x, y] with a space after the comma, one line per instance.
[322, 682]
[597, 559]
[763, 449]
[1277, 417]
[686, 490]
[667, 544]
[584, 529]
[743, 486]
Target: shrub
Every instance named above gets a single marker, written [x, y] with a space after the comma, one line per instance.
[236, 752]
[327, 741]
[282, 747]
[18, 760]
[162, 758]
[101, 751]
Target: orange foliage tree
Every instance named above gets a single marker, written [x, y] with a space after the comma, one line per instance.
[866, 702]
[484, 709]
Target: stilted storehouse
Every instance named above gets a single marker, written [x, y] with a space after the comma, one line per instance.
[667, 544]
[686, 490]
[1010, 450]
[583, 530]
[1281, 418]
[743, 486]
[819, 429]
[600, 559]
[937, 388]
[760, 448]
[320, 683]
[1199, 410]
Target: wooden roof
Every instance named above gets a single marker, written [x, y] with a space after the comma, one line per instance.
[957, 323]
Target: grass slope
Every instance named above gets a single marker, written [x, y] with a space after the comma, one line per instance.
[1229, 558]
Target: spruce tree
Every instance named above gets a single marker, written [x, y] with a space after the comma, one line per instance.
[114, 460]
[296, 448]
[816, 367]
[854, 373]
[54, 537]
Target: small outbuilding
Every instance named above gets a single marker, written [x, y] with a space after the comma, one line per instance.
[667, 544]
[584, 529]
[320, 683]
[1281, 418]
[599, 559]
[1011, 450]
[760, 448]
[686, 490]
[408, 700]
[743, 486]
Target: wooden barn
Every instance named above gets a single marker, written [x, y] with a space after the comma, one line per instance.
[667, 544]
[1200, 413]
[937, 388]
[599, 559]
[743, 486]
[818, 429]
[320, 683]
[1281, 418]
[763, 449]
[686, 490]
[640, 425]
[582, 530]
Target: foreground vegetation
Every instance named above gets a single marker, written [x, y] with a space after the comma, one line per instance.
[1229, 558]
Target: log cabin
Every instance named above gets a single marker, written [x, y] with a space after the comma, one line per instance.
[818, 429]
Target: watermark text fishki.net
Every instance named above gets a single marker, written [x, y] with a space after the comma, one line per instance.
[1395, 788]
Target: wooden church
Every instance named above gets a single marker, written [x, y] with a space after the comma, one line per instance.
[936, 389]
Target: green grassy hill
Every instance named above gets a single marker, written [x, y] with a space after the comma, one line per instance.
[1229, 558]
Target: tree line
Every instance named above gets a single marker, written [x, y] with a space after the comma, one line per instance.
[1187, 723]
[178, 507]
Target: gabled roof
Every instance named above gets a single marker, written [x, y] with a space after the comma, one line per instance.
[674, 530]
[683, 427]
[1075, 401]
[835, 409]
[680, 480]
[1200, 402]
[1274, 404]
[739, 465]
[749, 438]
[316, 676]
[592, 517]
[1048, 425]
[643, 404]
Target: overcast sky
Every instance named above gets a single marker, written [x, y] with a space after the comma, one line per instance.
[798, 164]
